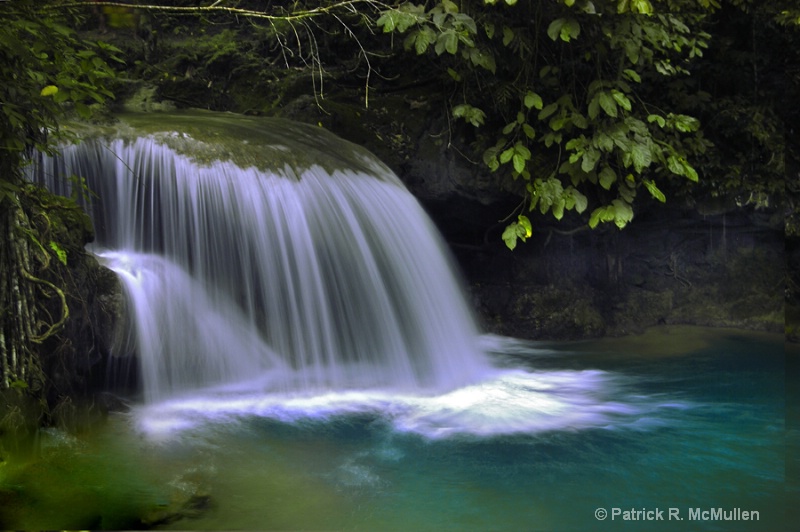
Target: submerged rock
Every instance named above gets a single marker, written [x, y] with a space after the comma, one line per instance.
[190, 496]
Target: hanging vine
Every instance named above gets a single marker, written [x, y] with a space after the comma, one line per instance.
[21, 368]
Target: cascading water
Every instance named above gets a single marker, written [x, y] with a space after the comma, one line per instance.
[302, 276]
[274, 270]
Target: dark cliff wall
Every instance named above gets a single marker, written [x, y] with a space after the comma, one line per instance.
[666, 268]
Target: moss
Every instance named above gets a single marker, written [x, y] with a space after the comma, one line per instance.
[57, 219]
[638, 309]
[557, 312]
[20, 415]
[270, 144]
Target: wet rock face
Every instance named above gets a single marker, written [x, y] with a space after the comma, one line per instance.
[701, 271]
[75, 360]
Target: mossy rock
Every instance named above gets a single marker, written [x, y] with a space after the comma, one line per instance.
[146, 99]
[556, 312]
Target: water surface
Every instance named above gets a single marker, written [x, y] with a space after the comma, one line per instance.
[684, 418]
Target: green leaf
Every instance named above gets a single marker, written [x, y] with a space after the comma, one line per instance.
[471, 114]
[520, 156]
[558, 122]
[407, 16]
[451, 42]
[623, 213]
[602, 141]
[564, 29]
[579, 200]
[529, 131]
[558, 207]
[608, 104]
[483, 58]
[49, 90]
[447, 41]
[590, 158]
[607, 177]
[686, 124]
[522, 150]
[388, 20]
[518, 162]
[421, 39]
[594, 106]
[551, 138]
[525, 223]
[654, 191]
[579, 121]
[519, 230]
[508, 35]
[642, 7]
[570, 30]
[626, 191]
[575, 144]
[547, 111]
[632, 75]
[658, 119]
[620, 137]
[510, 236]
[632, 51]
[533, 101]
[554, 29]
[490, 158]
[621, 99]
[601, 214]
[689, 171]
[506, 155]
[449, 6]
[59, 251]
[675, 165]
[641, 157]
[464, 21]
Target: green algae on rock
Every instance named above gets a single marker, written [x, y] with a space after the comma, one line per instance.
[268, 144]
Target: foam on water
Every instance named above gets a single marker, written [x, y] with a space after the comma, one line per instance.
[507, 402]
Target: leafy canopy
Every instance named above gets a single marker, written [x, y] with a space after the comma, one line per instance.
[575, 92]
[47, 71]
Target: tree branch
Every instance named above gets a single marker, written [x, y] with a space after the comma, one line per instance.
[214, 8]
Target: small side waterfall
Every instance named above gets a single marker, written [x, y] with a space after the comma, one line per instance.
[303, 268]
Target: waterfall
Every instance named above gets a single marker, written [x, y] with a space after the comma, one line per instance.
[273, 252]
